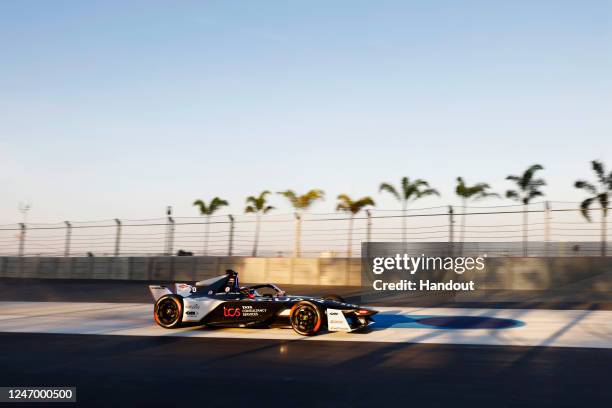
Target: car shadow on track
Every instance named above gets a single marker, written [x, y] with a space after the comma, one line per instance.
[393, 319]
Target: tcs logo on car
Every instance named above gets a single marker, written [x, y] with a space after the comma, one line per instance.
[231, 311]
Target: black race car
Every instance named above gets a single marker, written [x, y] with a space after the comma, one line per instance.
[222, 302]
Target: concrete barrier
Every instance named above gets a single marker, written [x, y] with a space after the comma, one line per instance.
[301, 271]
[512, 273]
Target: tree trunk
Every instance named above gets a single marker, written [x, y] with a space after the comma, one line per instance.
[604, 232]
[404, 211]
[349, 249]
[206, 235]
[525, 224]
[256, 242]
[462, 239]
[369, 227]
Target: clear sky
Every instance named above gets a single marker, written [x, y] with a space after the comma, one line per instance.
[117, 109]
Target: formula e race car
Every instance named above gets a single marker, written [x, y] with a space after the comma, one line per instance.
[222, 302]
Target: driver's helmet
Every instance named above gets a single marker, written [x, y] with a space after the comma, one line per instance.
[232, 281]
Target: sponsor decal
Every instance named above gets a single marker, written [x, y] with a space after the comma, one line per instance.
[191, 313]
[184, 289]
[193, 306]
[336, 321]
[252, 312]
[244, 311]
[231, 311]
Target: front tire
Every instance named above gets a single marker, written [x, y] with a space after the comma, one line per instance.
[306, 319]
[168, 312]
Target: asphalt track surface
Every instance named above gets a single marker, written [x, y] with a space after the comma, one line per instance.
[500, 327]
[168, 370]
[121, 291]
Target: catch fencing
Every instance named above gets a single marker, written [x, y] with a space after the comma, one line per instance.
[313, 234]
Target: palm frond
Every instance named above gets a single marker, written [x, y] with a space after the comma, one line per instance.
[344, 203]
[363, 202]
[345, 198]
[585, 185]
[512, 194]
[215, 204]
[201, 206]
[461, 189]
[427, 192]
[584, 208]
[420, 183]
[389, 189]
[537, 183]
[527, 185]
[289, 195]
[485, 194]
[304, 201]
[258, 204]
[598, 168]
[528, 175]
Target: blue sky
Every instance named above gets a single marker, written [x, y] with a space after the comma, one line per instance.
[110, 109]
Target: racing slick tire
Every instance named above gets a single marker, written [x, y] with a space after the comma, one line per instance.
[337, 298]
[168, 311]
[306, 318]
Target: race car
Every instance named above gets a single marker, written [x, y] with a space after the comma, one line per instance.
[222, 302]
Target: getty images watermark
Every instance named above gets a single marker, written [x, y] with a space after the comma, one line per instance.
[421, 267]
[412, 265]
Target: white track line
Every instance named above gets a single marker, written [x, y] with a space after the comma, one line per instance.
[535, 327]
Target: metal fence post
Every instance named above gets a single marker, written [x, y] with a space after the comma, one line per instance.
[231, 236]
[170, 236]
[298, 236]
[547, 214]
[604, 232]
[22, 237]
[68, 236]
[118, 237]
[451, 229]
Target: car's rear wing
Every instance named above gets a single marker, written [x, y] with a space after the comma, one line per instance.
[158, 291]
[182, 289]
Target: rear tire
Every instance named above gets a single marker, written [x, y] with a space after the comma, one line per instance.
[168, 311]
[306, 318]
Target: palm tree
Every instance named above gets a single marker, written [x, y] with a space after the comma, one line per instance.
[409, 191]
[345, 203]
[208, 210]
[258, 206]
[476, 192]
[602, 195]
[301, 203]
[527, 189]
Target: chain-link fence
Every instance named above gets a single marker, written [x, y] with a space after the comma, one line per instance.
[312, 234]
